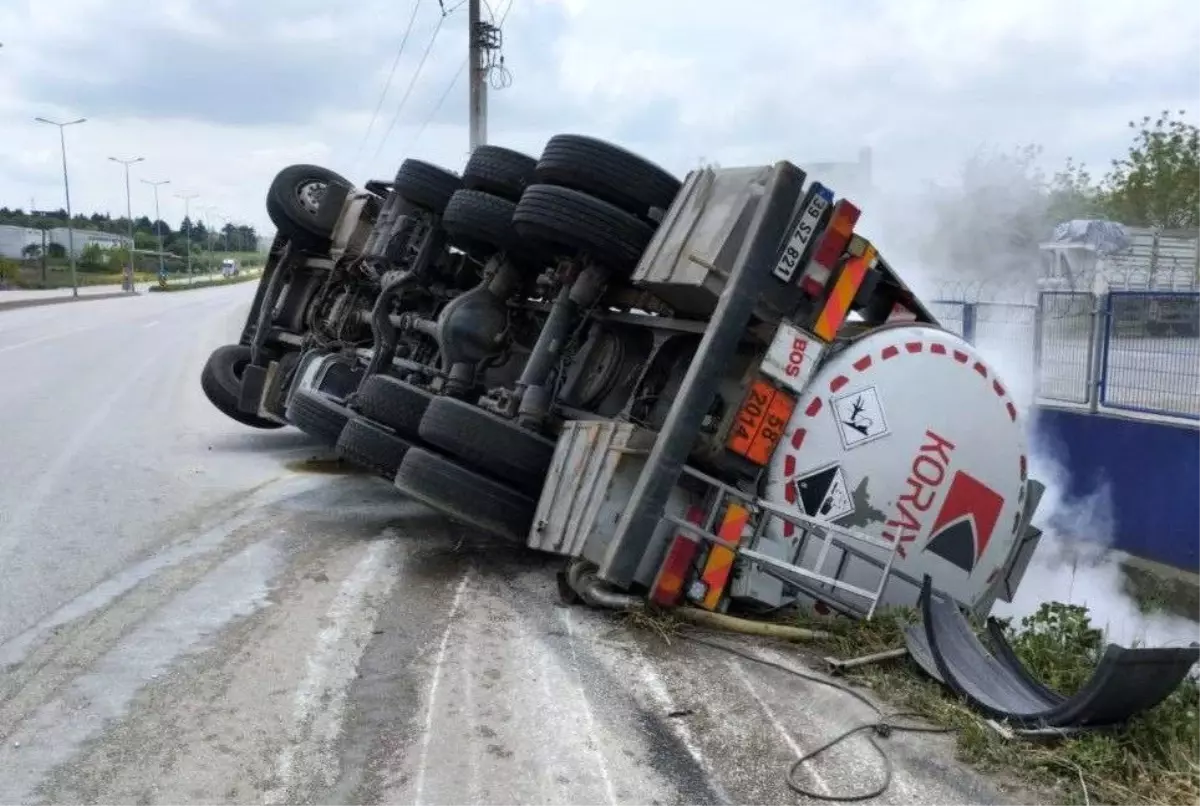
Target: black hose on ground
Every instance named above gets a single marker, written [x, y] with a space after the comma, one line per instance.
[882, 727]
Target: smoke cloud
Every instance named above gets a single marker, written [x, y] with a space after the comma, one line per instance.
[977, 242]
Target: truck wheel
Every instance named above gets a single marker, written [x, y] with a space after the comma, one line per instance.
[316, 415]
[393, 403]
[372, 447]
[499, 171]
[480, 224]
[487, 442]
[294, 202]
[607, 172]
[563, 222]
[465, 496]
[221, 380]
[426, 185]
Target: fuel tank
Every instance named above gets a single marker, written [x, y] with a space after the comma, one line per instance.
[907, 434]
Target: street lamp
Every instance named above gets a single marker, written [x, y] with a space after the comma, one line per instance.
[62, 139]
[162, 269]
[187, 219]
[129, 211]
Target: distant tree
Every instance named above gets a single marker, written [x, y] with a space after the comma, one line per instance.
[145, 240]
[56, 250]
[1157, 184]
[92, 257]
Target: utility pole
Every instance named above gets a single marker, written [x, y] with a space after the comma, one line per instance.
[187, 220]
[477, 94]
[129, 215]
[162, 266]
[67, 190]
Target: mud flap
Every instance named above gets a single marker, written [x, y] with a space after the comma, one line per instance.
[1125, 683]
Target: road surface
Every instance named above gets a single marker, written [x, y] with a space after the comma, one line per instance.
[188, 614]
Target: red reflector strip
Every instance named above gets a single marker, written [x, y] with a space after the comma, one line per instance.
[719, 565]
[829, 248]
[840, 299]
[672, 574]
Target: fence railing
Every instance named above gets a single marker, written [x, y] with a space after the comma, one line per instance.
[1126, 350]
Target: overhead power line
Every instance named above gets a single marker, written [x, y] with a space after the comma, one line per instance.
[453, 81]
[433, 112]
[412, 83]
[388, 84]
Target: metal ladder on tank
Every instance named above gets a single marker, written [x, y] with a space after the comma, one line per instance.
[808, 580]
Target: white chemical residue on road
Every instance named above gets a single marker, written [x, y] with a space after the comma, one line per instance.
[585, 708]
[308, 760]
[56, 731]
[657, 689]
[212, 538]
[740, 673]
[438, 663]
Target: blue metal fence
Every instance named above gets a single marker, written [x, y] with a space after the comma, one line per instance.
[1151, 353]
[1126, 350]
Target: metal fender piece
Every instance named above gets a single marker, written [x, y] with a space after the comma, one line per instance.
[1125, 683]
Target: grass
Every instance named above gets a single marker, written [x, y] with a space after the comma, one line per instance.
[1155, 758]
[244, 277]
[28, 273]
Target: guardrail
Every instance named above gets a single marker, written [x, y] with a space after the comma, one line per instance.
[1124, 350]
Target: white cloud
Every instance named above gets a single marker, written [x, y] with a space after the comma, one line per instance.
[218, 95]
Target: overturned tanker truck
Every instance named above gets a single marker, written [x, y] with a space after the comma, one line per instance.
[711, 392]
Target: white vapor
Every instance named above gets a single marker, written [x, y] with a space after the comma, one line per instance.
[981, 237]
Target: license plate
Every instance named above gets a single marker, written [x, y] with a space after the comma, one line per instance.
[789, 261]
[760, 422]
[792, 357]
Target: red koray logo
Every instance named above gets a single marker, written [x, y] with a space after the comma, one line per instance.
[965, 523]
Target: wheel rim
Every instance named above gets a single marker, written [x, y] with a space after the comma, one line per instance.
[309, 195]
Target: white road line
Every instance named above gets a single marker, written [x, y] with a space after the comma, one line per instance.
[427, 726]
[780, 728]
[30, 342]
[658, 690]
[587, 711]
[309, 758]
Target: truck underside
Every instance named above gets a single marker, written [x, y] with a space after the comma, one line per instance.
[711, 391]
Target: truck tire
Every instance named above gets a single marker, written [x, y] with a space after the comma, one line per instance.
[294, 203]
[499, 171]
[426, 185]
[488, 443]
[318, 416]
[480, 224]
[221, 380]
[372, 447]
[393, 403]
[563, 222]
[464, 495]
[608, 172]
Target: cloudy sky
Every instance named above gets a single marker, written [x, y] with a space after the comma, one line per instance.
[218, 95]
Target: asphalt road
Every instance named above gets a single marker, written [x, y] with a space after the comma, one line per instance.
[189, 613]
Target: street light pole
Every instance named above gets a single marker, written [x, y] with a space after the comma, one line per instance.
[129, 212]
[62, 139]
[162, 268]
[187, 219]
